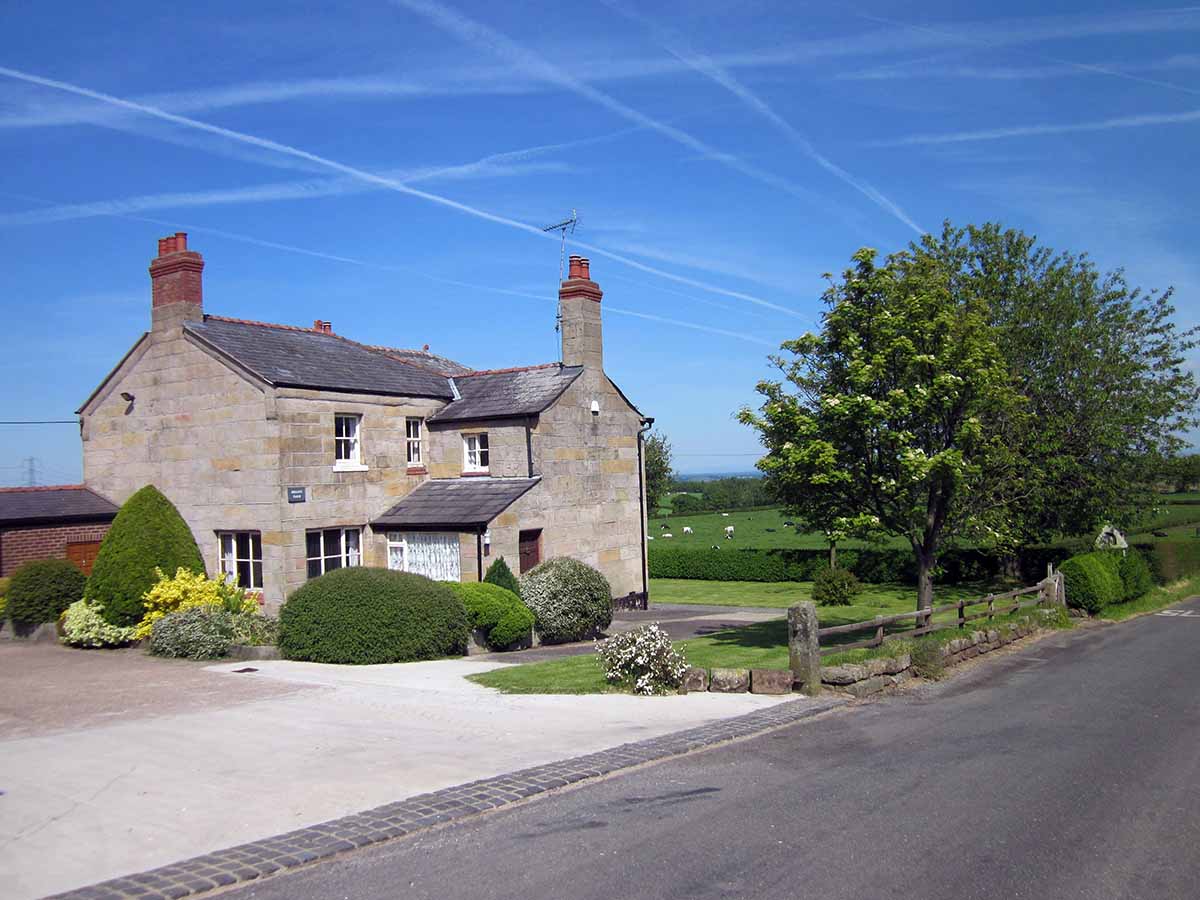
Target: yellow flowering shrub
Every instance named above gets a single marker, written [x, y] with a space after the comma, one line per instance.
[186, 590]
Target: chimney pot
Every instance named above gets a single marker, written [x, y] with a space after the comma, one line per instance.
[575, 268]
[175, 282]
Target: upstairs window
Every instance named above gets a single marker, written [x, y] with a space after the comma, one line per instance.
[475, 452]
[413, 440]
[332, 548]
[241, 555]
[347, 451]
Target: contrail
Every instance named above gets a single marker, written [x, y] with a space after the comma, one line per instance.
[476, 33]
[378, 180]
[708, 67]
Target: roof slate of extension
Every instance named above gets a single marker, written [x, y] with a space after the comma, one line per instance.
[508, 392]
[300, 357]
[455, 503]
[57, 503]
[425, 359]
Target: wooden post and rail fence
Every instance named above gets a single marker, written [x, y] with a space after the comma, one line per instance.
[805, 634]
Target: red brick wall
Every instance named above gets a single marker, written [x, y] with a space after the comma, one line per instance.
[20, 545]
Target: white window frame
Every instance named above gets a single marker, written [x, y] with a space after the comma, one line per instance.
[412, 445]
[481, 451]
[399, 540]
[251, 561]
[347, 550]
[348, 443]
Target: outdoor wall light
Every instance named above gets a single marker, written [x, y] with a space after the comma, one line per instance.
[595, 407]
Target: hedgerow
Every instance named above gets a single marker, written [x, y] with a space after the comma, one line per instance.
[1136, 579]
[1093, 580]
[361, 615]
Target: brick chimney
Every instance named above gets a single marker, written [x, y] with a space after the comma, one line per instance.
[579, 306]
[323, 326]
[175, 283]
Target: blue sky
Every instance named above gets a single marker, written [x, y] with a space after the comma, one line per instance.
[387, 166]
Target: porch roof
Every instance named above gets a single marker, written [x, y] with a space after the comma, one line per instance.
[456, 504]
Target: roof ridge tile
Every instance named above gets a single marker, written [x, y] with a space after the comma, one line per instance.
[551, 365]
[44, 487]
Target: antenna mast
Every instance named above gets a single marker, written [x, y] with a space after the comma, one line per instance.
[565, 226]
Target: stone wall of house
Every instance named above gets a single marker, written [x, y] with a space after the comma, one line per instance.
[21, 545]
[202, 434]
[506, 448]
[336, 497]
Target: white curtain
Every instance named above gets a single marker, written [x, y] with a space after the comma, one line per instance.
[433, 555]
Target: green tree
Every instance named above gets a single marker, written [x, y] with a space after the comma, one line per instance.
[900, 413]
[500, 574]
[1184, 472]
[1101, 363]
[147, 533]
[658, 469]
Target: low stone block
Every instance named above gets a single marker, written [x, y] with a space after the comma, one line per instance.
[847, 674]
[695, 681]
[901, 677]
[993, 635]
[729, 681]
[770, 681]
[971, 652]
[898, 664]
[246, 651]
[877, 666]
[869, 686]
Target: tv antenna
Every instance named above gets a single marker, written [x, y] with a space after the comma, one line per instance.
[566, 226]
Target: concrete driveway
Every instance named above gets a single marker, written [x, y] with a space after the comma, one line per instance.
[112, 762]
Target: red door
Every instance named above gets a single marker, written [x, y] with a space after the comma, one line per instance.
[531, 549]
[83, 554]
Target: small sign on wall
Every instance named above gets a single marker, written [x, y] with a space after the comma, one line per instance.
[296, 495]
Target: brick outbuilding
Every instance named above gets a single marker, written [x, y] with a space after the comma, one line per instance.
[65, 521]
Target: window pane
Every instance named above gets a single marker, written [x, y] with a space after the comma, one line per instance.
[352, 552]
[256, 546]
[333, 541]
[243, 545]
[339, 426]
[483, 442]
[314, 568]
[312, 543]
[256, 570]
[243, 574]
[332, 562]
[351, 426]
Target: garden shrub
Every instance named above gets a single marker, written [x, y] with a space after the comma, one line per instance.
[83, 626]
[1136, 579]
[570, 600]
[835, 587]
[642, 659]
[147, 534]
[497, 612]
[3, 599]
[255, 629]
[200, 632]
[187, 589]
[41, 590]
[361, 615]
[1092, 580]
[500, 574]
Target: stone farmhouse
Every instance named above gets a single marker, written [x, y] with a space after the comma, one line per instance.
[293, 451]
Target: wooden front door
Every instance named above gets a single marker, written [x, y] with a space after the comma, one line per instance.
[531, 549]
[83, 554]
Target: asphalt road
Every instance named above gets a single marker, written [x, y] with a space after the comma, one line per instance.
[1066, 769]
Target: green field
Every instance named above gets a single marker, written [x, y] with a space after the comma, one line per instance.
[760, 528]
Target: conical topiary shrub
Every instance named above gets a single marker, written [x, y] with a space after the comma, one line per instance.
[501, 575]
[148, 532]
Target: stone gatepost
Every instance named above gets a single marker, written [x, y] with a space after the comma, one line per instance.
[804, 652]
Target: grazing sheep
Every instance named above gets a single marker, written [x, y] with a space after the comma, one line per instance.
[649, 537]
[716, 547]
[770, 529]
[726, 515]
[664, 527]
[728, 532]
[668, 535]
[687, 529]
[789, 524]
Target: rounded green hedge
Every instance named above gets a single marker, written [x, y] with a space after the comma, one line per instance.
[497, 612]
[500, 574]
[1093, 580]
[40, 591]
[201, 632]
[835, 587]
[148, 532]
[362, 616]
[570, 600]
[1136, 579]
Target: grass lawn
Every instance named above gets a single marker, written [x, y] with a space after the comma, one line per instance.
[760, 528]
[1155, 600]
[762, 645]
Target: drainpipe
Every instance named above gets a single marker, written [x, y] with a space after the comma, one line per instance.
[479, 553]
[647, 424]
[529, 444]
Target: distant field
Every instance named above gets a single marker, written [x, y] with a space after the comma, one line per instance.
[760, 528]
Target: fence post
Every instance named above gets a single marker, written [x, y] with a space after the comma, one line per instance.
[991, 607]
[804, 647]
[879, 631]
[962, 617]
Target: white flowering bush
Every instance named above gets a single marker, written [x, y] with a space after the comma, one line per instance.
[643, 659]
[82, 625]
[570, 600]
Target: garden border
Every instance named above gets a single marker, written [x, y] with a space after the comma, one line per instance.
[256, 859]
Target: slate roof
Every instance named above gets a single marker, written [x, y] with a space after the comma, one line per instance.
[425, 360]
[458, 503]
[507, 392]
[50, 505]
[299, 357]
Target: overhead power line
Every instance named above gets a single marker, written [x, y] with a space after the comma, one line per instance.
[39, 422]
